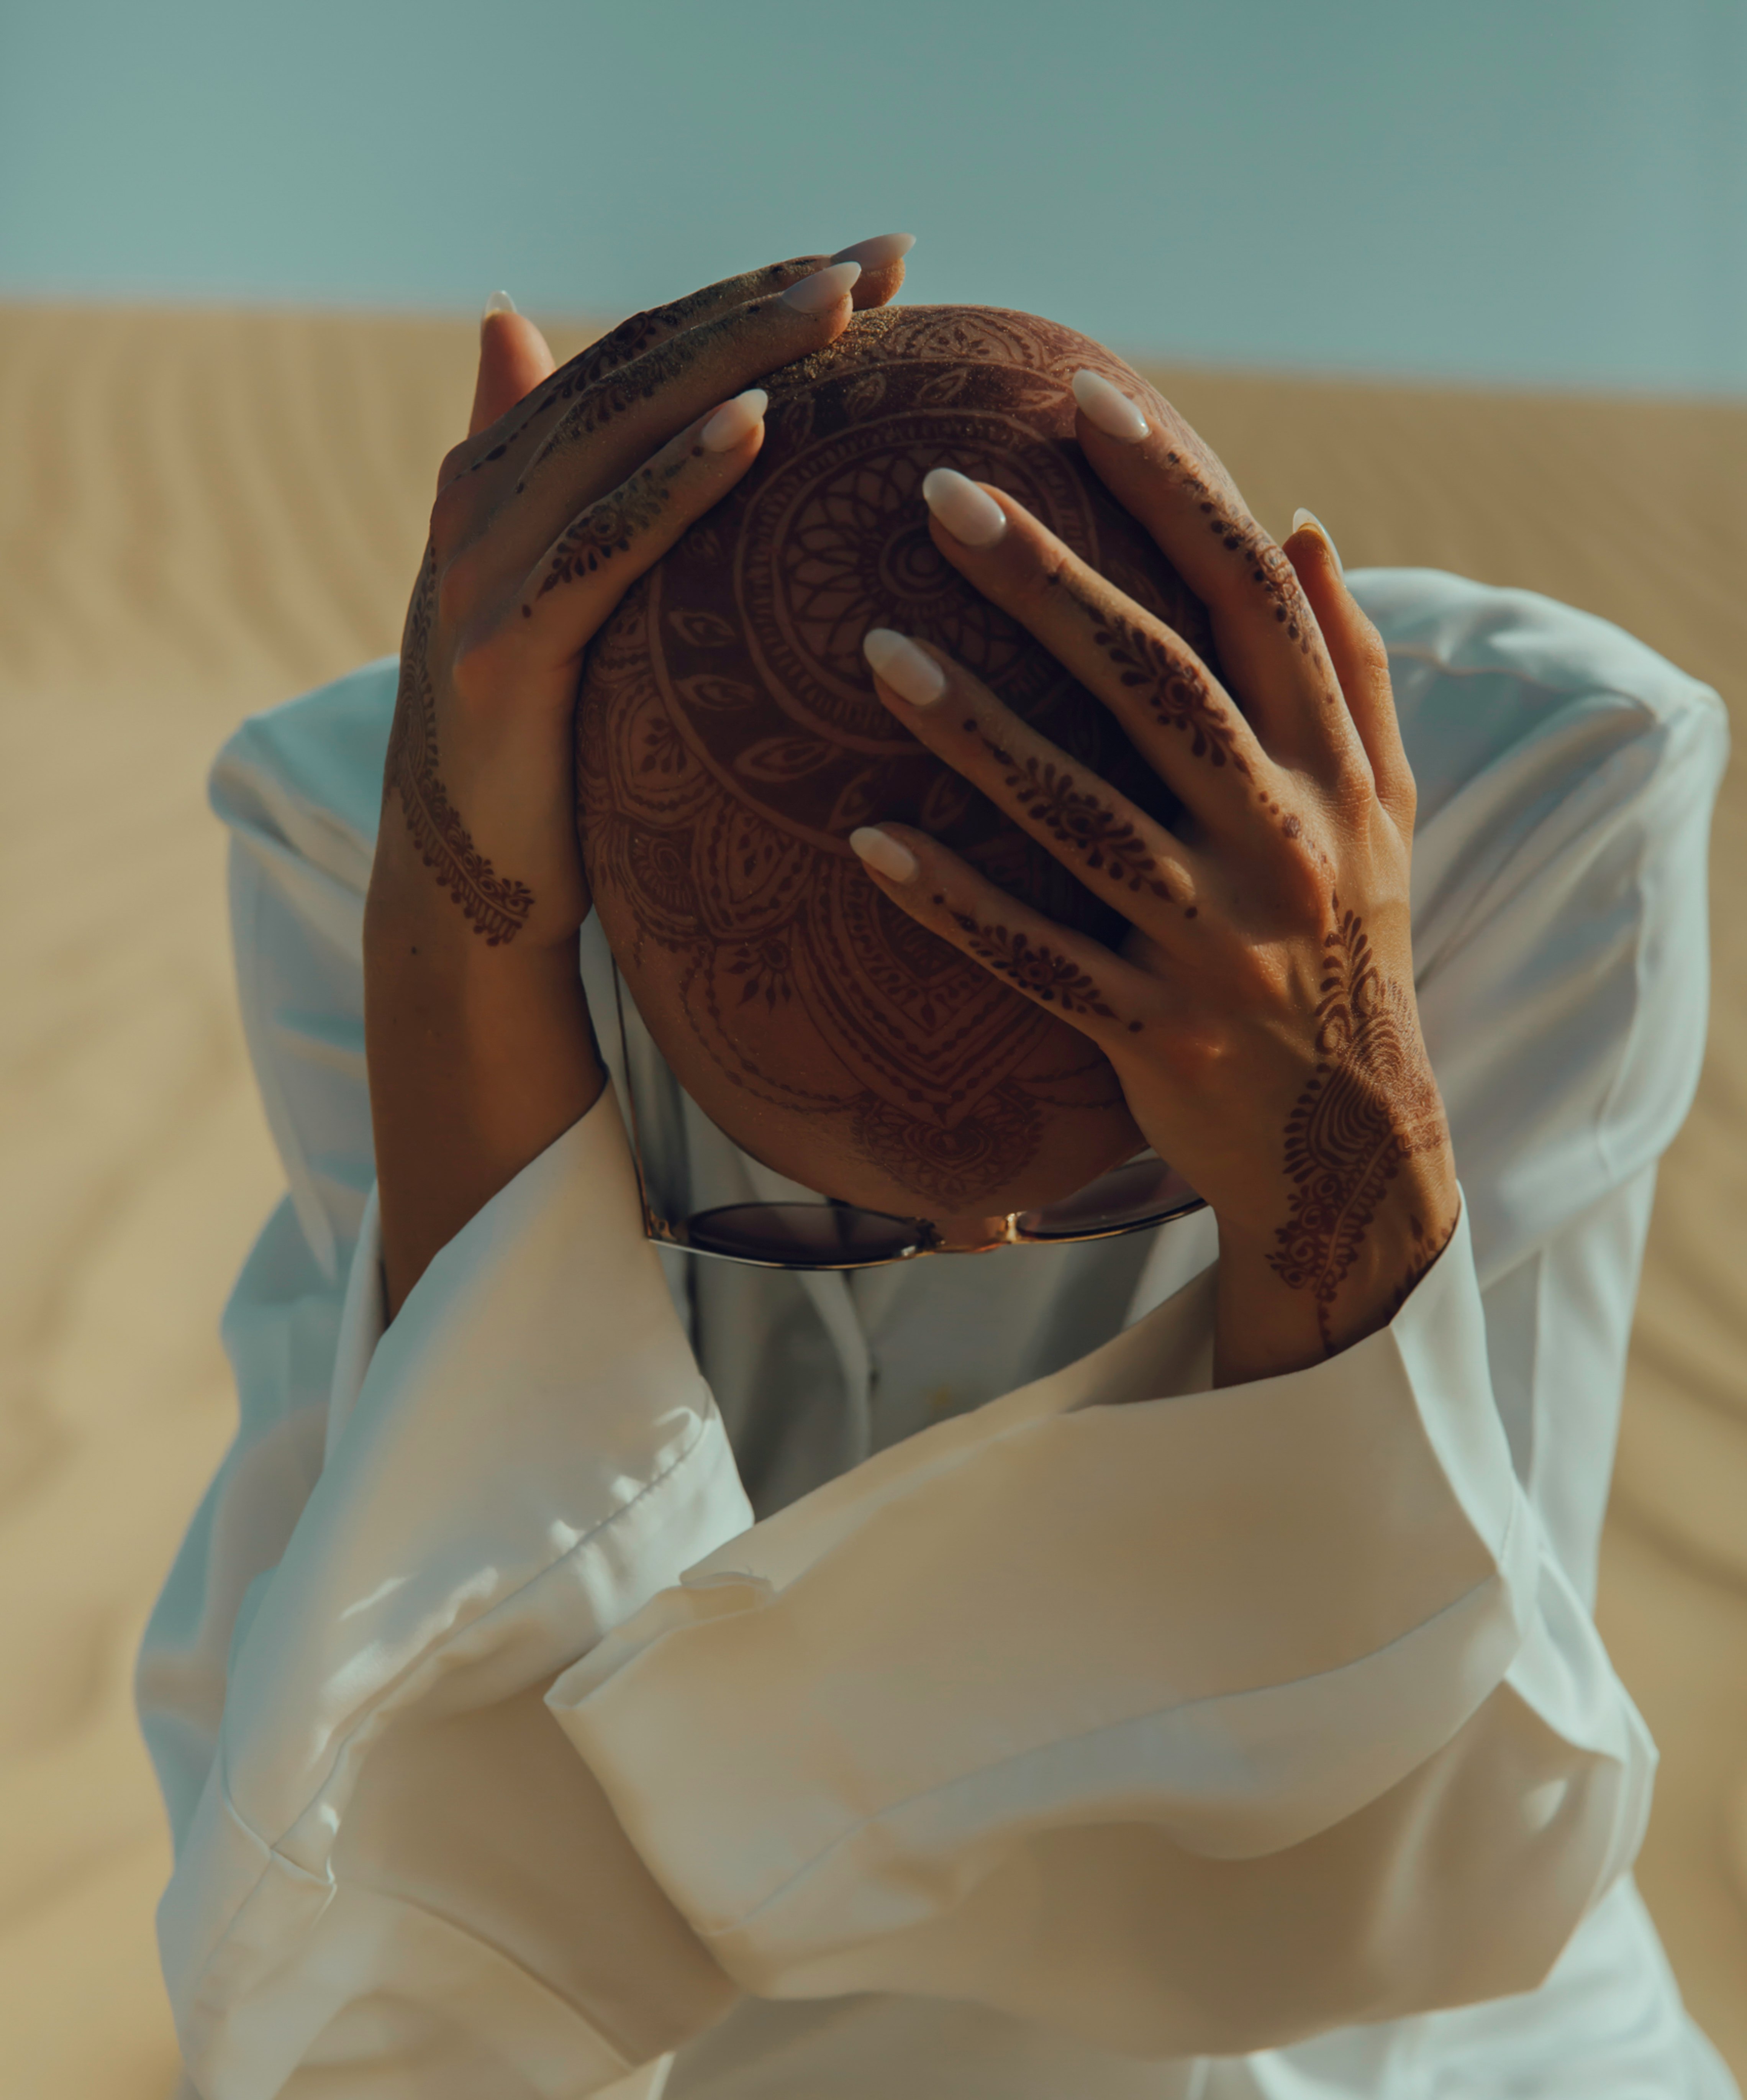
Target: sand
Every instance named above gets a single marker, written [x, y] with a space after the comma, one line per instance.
[204, 512]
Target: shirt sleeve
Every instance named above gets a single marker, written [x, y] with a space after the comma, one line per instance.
[297, 788]
[1190, 1721]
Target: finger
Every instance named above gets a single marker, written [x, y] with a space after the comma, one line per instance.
[1174, 710]
[1270, 643]
[1100, 993]
[621, 421]
[882, 272]
[1361, 662]
[1103, 840]
[610, 543]
[514, 359]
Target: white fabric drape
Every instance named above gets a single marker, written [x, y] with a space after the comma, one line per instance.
[1100, 1734]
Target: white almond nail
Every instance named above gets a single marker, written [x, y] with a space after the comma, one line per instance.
[499, 303]
[734, 421]
[910, 672]
[882, 248]
[1301, 519]
[824, 289]
[1109, 408]
[969, 513]
[884, 853]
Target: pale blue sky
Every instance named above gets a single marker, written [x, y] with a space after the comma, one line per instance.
[1547, 191]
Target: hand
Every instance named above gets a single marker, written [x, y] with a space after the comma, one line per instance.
[1260, 1013]
[571, 485]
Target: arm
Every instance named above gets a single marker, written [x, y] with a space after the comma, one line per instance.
[479, 1043]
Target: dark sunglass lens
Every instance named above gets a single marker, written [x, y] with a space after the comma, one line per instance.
[1145, 1191]
[809, 1235]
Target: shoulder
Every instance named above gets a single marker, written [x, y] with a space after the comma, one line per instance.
[307, 776]
[1486, 678]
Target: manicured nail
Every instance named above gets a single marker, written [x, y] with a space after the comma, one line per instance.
[1109, 408]
[910, 672]
[735, 420]
[824, 289]
[499, 303]
[973, 517]
[875, 254]
[1301, 519]
[882, 854]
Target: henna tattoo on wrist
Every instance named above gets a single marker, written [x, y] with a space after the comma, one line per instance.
[495, 906]
[1368, 1107]
[1049, 794]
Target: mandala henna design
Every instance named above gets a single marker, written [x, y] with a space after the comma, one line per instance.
[495, 906]
[949, 1166]
[1174, 692]
[1370, 1106]
[728, 739]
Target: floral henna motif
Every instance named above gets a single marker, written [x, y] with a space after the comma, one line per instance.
[1175, 693]
[1370, 1106]
[1039, 971]
[1050, 796]
[607, 528]
[495, 907]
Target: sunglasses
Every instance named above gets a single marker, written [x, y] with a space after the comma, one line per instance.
[1144, 1192]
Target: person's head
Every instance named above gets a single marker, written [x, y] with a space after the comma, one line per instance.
[730, 740]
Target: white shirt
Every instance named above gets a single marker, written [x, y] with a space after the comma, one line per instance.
[1099, 1733]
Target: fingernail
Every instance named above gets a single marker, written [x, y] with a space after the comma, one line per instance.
[1301, 519]
[499, 303]
[735, 421]
[875, 254]
[882, 854]
[824, 289]
[968, 513]
[1109, 408]
[910, 672]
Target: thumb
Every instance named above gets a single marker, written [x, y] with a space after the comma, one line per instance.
[514, 358]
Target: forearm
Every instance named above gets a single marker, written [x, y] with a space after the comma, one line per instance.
[478, 1058]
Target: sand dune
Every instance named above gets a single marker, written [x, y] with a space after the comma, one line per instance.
[201, 513]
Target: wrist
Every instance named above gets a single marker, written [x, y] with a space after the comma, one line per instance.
[1302, 1293]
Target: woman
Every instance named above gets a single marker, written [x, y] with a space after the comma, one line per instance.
[1196, 1693]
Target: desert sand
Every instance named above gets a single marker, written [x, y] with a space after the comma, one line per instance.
[202, 512]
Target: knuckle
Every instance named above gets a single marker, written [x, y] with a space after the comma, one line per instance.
[1050, 575]
[458, 585]
[450, 511]
[477, 669]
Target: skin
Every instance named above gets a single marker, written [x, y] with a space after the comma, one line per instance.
[478, 1037]
[1260, 1013]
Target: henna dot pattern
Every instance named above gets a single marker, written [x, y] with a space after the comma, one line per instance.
[730, 740]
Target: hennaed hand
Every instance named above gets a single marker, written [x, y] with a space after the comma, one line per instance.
[478, 1036]
[1260, 1014]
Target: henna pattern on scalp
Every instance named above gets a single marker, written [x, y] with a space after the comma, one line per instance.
[728, 739]
[1369, 1106]
[495, 906]
[1051, 795]
[1174, 692]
